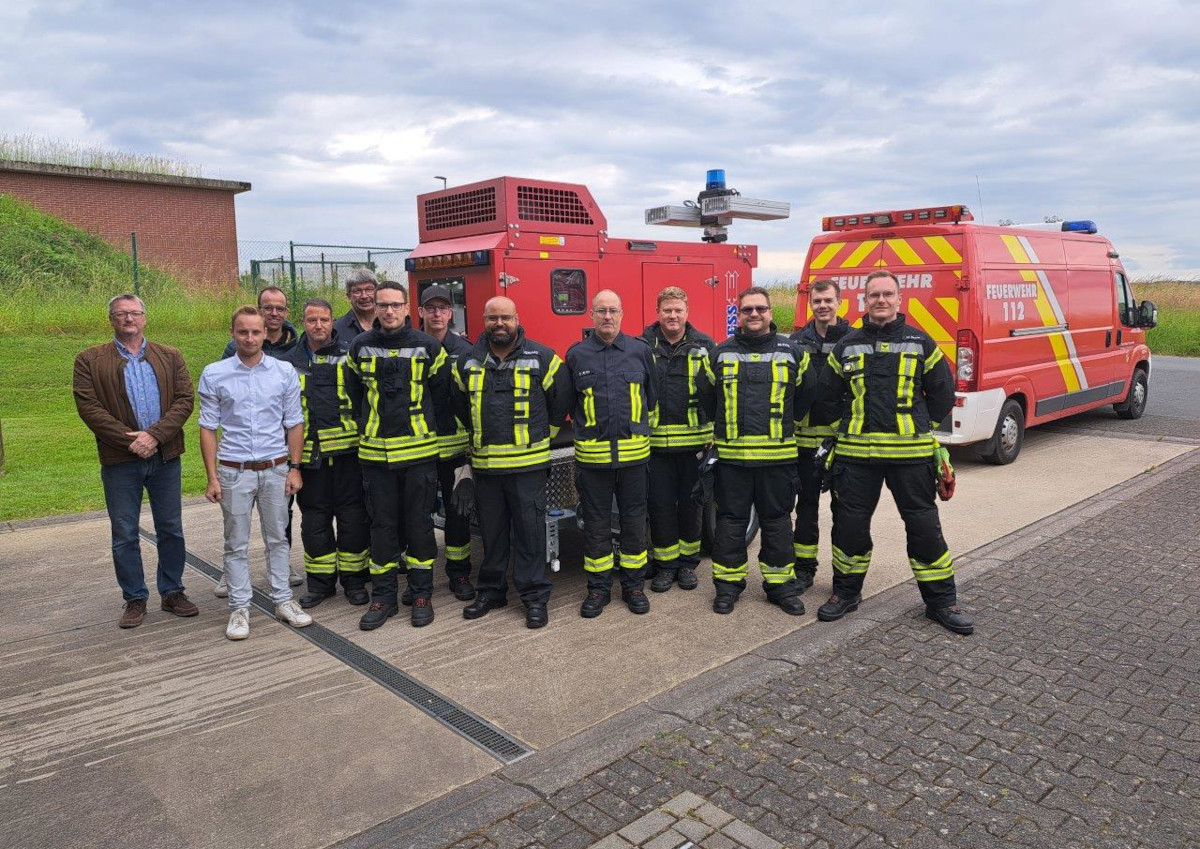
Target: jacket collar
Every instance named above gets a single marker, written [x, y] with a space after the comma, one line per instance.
[483, 350]
[758, 342]
[894, 326]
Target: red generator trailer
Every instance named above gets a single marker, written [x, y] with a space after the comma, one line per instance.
[1038, 321]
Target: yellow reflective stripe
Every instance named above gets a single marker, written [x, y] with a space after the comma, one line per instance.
[932, 360]
[416, 396]
[589, 406]
[729, 384]
[458, 552]
[372, 427]
[600, 451]
[777, 574]
[858, 406]
[904, 252]
[413, 563]
[905, 385]
[633, 561]
[635, 402]
[829, 252]
[680, 436]
[689, 547]
[352, 561]
[938, 570]
[495, 457]
[669, 552]
[728, 573]
[803, 551]
[779, 383]
[383, 568]
[474, 389]
[860, 253]
[886, 446]
[834, 363]
[848, 565]
[598, 564]
[324, 564]
[945, 251]
[760, 448]
[548, 377]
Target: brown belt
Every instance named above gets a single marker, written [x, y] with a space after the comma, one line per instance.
[254, 466]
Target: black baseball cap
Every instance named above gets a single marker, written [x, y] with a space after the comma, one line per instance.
[434, 293]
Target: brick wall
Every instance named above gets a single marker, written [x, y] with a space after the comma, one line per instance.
[184, 225]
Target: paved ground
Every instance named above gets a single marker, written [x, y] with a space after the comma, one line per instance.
[1071, 718]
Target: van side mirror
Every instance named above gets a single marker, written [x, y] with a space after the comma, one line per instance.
[1147, 314]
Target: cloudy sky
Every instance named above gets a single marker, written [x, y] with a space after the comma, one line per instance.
[340, 113]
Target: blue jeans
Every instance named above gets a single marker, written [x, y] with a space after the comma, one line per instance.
[123, 485]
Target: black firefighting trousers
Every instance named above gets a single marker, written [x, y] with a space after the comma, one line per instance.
[334, 526]
[771, 491]
[597, 487]
[808, 501]
[856, 490]
[511, 509]
[674, 519]
[400, 502]
[457, 529]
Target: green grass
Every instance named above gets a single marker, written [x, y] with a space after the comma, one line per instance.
[26, 147]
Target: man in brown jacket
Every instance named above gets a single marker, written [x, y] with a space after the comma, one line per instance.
[135, 396]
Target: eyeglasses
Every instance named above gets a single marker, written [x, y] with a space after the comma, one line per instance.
[363, 290]
[121, 316]
[391, 305]
[499, 319]
[273, 309]
[438, 308]
[754, 310]
[607, 311]
[882, 296]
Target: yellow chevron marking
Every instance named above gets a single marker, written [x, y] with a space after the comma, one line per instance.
[1058, 345]
[1016, 249]
[950, 305]
[905, 252]
[925, 320]
[945, 251]
[827, 254]
[949, 349]
[860, 253]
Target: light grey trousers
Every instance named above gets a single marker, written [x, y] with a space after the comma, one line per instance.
[241, 490]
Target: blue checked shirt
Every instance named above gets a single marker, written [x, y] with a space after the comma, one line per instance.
[141, 386]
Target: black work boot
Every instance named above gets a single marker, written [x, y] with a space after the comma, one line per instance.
[724, 601]
[320, 587]
[951, 618]
[482, 604]
[594, 604]
[686, 578]
[378, 613]
[462, 588]
[837, 607]
[421, 613]
[663, 579]
[406, 597]
[806, 573]
[536, 615]
[787, 599]
[354, 585]
[635, 599]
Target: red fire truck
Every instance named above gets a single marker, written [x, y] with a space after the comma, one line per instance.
[1038, 320]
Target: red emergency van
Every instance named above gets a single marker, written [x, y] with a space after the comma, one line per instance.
[1039, 321]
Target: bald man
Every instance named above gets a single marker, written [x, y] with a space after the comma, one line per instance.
[512, 395]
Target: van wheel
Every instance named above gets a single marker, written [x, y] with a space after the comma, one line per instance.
[1005, 444]
[1135, 402]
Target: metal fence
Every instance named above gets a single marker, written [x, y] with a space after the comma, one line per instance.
[305, 268]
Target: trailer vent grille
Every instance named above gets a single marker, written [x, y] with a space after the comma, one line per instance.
[557, 206]
[473, 207]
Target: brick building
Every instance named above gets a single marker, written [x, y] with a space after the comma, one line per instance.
[184, 225]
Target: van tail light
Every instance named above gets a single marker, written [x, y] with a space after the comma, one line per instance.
[967, 360]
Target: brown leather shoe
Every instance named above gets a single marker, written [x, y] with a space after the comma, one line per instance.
[179, 604]
[135, 612]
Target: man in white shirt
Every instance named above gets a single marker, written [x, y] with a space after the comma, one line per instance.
[255, 400]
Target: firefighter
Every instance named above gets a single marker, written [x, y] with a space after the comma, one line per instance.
[894, 385]
[762, 389]
[334, 527]
[817, 338]
[682, 429]
[614, 386]
[399, 383]
[513, 394]
[437, 311]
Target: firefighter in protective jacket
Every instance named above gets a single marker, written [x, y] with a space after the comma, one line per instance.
[682, 430]
[892, 385]
[400, 382]
[817, 337]
[615, 394]
[513, 396]
[762, 389]
[334, 526]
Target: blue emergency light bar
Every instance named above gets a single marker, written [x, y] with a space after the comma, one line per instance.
[1083, 226]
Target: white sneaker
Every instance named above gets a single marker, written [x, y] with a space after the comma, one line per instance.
[296, 578]
[239, 624]
[291, 613]
[221, 590]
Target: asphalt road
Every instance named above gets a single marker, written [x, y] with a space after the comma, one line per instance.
[1174, 387]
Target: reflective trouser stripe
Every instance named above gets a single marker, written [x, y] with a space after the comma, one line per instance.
[666, 553]
[324, 564]
[633, 561]
[598, 564]
[383, 569]
[352, 561]
[729, 573]
[689, 547]
[804, 552]
[458, 552]
[777, 574]
[848, 565]
[419, 564]
[938, 570]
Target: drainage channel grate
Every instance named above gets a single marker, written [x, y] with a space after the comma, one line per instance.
[455, 717]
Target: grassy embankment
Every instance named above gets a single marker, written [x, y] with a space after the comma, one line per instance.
[56, 280]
